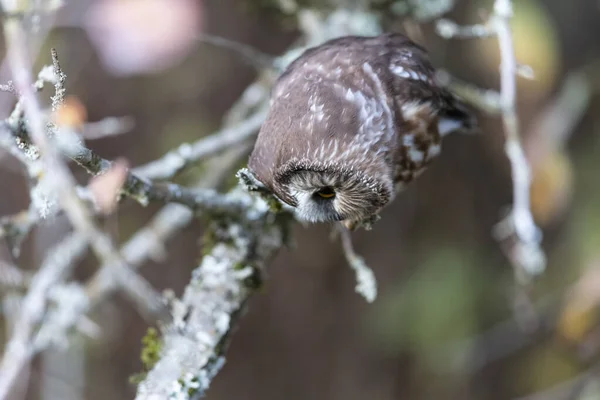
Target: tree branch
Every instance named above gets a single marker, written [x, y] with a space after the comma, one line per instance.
[521, 237]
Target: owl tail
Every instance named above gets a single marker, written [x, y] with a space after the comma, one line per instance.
[457, 118]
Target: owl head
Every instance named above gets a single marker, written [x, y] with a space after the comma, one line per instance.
[321, 191]
[323, 151]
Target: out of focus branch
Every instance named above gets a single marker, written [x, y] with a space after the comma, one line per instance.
[520, 236]
[484, 99]
[249, 54]
[366, 284]
[64, 184]
[19, 349]
[552, 128]
[141, 189]
[176, 160]
[15, 228]
[547, 134]
[527, 252]
[63, 187]
[143, 245]
[147, 243]
[194, 343]
[450, 29]
[12, 277]
[106, 127]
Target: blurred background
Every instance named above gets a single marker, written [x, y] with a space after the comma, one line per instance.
[445, 324]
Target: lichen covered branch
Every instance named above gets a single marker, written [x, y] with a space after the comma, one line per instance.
[194, 342]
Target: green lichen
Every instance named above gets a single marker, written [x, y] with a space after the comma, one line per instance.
[275, 205]
[208, 242]
[212, 237]
[151, 348]
[137, 189]
[239, 266]
[191, 385]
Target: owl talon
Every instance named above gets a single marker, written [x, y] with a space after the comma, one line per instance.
[249, 181]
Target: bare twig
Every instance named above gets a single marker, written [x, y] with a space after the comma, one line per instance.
[19, 349]
[450, 29]
[249, 54]
[552, 128]
[106, 127]
[518, 227]
[64, 186]
[255, 96]
[12, 277]
[175, 161]
[145, 243]
[485, 99]
[140, 189]
[366, 284]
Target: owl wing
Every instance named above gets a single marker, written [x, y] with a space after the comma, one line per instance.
[413, 82]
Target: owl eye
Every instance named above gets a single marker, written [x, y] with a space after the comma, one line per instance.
[326, 193]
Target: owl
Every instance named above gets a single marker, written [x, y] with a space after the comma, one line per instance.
[351, 122]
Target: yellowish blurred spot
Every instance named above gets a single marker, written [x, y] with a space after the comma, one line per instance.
[536, 44]
[580, 314]
[576, 321]
[72, 114]
[105, 188]
[551, 187]
[540, 369]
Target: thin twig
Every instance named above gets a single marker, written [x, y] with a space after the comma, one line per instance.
[553, 127]
[12, 277]
[521, 237]
[249, 54]
[19, 349]
[64, 184]
[366, 283]
[485, 99]
[449, 29]
[15, 228]
[140, 189]
[176, 160]
[146, 243]
[111, 126]
[527, 251]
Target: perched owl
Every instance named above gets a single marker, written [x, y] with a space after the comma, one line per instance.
[351, 122]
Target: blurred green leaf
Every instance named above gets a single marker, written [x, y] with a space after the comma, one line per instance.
[435, 307]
